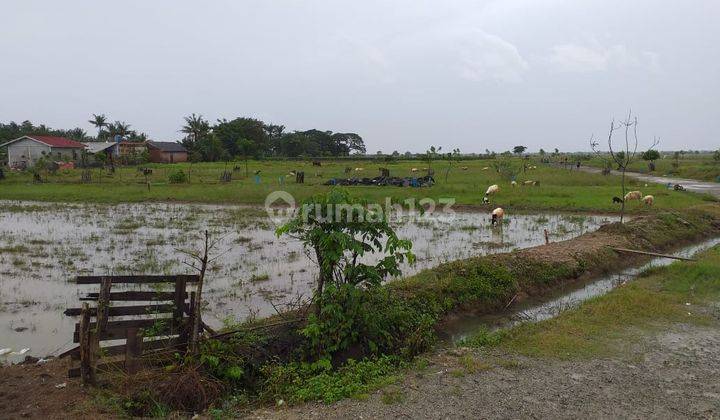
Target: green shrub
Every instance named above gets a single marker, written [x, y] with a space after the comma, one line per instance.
[300, 382]
[178, 177]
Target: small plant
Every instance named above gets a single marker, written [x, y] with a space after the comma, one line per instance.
[178, 177]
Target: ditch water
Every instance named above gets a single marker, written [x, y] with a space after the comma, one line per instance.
[43, 246]
[562, 299]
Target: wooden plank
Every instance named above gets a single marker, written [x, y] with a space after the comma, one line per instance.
[135, 295]
[654, 254]
[118, 349]
[189, 278]
[117, 330]
[128, 310]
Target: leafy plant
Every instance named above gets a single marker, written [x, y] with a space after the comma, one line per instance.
[339, 231]
[178, 177]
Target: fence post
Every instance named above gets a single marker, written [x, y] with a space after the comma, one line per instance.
[87, 366]
[133, 350]
[179, 305]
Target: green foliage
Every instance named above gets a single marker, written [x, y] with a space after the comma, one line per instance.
[519, 150]
[340, 229]
[369, 322]
[651, 155]
[484, 338]
[178, 177]
[222, 361]
[300, 382]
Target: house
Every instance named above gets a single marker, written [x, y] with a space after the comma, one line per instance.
[97, 147]
[167, 152]
[25, 151]
[130, 148]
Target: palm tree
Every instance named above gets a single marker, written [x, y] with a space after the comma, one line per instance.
[99, 121]
[120, 128]
[196, 127]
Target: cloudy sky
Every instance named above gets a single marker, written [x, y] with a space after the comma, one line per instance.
[403, 74]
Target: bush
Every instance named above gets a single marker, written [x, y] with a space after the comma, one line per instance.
[178, 177]
[368, 322]
[300, 382]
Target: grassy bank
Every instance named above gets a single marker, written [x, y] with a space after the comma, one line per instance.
[607, 325]
[558, 189]
[701, 167]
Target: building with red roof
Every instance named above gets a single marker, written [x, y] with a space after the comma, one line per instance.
[25, 151]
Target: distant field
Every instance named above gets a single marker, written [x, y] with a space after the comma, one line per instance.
[701, 167]
[559, 189]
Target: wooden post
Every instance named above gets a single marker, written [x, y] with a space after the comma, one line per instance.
[103, 307]
[547, 239]
[133, 350]
[87, 367]
[179, 305]
[187, 329]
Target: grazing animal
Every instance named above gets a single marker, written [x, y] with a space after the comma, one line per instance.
[497, 216]
[464, 168]
[632, 195]
[486, 168]
[316, 163]
[648, 200]
[348, 169]
[486, 200]
[513, 183]
[617, 200]
[414, 170]
[492, 190]
[359, 169]
[531, 183]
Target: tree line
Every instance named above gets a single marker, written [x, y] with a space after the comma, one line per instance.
[205, 141]
[250, 137]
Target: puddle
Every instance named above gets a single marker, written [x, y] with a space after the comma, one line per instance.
[560, 300]
[43, 246]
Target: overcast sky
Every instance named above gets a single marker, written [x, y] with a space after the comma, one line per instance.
[403, 74]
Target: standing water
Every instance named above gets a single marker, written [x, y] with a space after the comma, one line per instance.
[562, 299]
[43, 246]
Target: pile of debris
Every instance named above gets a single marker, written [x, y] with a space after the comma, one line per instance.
[381, 181]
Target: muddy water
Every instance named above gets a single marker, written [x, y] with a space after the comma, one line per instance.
[560, 300]
[43, 246]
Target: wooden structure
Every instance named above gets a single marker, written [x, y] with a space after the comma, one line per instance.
[162, 319]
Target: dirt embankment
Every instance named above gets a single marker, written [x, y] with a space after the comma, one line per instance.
[476, 284]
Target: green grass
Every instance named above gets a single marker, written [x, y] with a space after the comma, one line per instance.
[604, 325]
[559, 189]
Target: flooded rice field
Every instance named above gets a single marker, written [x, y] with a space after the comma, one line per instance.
[43, 246]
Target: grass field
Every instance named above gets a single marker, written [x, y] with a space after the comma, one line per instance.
[692, 166]
[558, 189]
[604, 325]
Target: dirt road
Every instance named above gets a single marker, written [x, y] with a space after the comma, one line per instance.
[712, 188]
[671, 374]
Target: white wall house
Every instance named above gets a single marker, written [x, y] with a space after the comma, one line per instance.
[25, 151]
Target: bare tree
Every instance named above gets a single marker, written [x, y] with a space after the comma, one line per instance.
[199, 261]
[622, 155]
